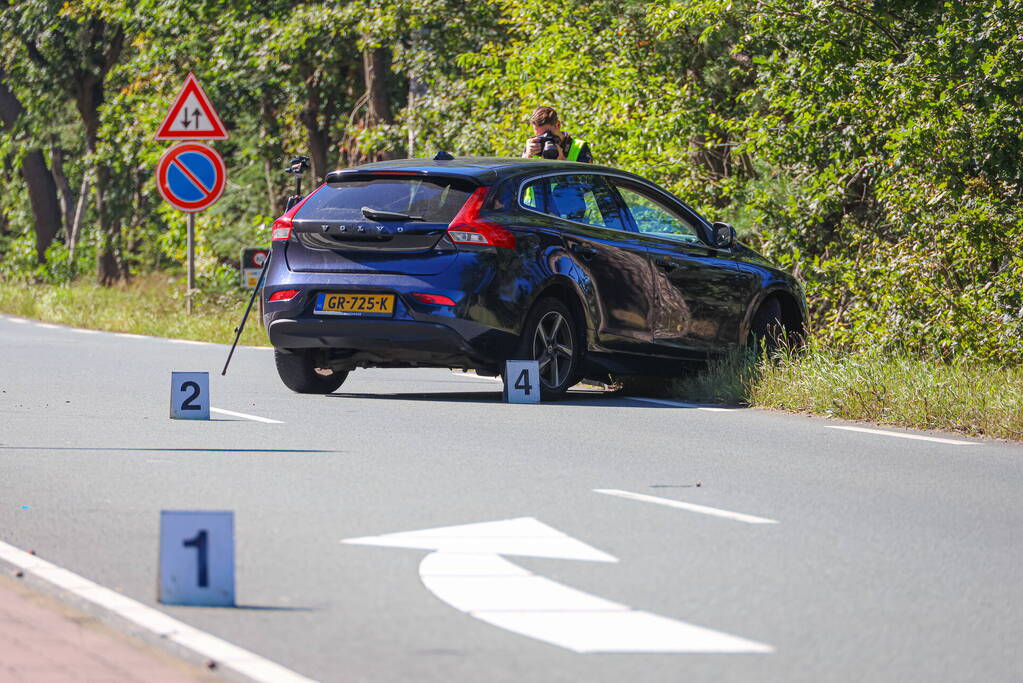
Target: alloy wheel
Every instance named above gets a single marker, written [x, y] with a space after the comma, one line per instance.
[554, 348]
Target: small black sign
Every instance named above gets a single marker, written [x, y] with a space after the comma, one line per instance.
[254, 257]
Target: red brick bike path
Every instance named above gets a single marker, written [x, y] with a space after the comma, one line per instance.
[43, 640]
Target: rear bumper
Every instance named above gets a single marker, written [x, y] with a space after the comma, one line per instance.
[480, 331]
[362, 341]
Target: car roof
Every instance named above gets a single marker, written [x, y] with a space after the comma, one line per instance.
[479, 169]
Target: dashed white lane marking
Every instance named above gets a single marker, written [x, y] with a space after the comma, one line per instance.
[691, 507]
[903, 435]
[474, 376]
[48, 326]
[191, 341]
[129, 335]
[256, 418]
[679, 404]
[466, 571]
[20, 321]
[206, 646]
[82, 330]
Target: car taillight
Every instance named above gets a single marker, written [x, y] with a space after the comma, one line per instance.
[468, 228]
[435, 299]
[282, 229]
[284, 295]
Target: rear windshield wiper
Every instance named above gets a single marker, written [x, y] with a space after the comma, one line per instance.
[377, 215]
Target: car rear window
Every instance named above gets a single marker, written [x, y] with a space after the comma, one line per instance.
[436, 200]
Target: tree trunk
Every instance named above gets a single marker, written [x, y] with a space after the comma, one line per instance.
[42, 191]
[376, 71]
[272, 164]
[108, 270]
[315, 128]
[67, 196]
[89, 97]
[75, 227]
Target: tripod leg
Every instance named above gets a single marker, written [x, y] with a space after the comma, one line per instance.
[238, 330]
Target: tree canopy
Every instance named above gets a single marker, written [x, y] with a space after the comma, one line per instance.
[872, 146]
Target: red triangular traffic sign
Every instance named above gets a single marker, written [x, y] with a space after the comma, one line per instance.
[192, 117]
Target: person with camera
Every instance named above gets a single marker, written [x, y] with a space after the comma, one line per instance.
[550, 143]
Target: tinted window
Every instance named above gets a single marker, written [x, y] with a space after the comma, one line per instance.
[585, 199]
[534, 195]
[437, 200]
[655, 218]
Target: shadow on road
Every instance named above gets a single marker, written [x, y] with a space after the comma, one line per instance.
[595, 399]
[164, 450]
[274, 608]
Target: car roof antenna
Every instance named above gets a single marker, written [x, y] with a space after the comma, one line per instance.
[443, 156]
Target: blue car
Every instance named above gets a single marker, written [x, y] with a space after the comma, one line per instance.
[469, 262]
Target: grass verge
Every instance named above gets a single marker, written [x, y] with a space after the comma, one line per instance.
[151, 304]
[961, 396]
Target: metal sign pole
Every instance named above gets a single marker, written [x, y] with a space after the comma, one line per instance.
[191, 260]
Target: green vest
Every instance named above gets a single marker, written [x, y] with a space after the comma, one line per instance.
[574, 150]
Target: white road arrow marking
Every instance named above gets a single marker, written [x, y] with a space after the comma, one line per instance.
[466, 571]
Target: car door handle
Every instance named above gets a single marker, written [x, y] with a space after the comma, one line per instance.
[664, 263]
[584, 251]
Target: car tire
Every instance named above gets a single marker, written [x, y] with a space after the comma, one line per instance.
[767, 331]
[299, 372]
[551, 318]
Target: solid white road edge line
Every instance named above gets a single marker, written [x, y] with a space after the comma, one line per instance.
[679, 404]
[691, 507]
[129, 335]
[903, 435]
[256, 418]
[165, 627]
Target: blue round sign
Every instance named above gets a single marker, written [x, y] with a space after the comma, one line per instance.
[191, 176]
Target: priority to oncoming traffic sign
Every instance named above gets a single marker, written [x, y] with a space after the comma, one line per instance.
[192, 116]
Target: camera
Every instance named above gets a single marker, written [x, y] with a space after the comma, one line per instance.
[297, 166]
[550, 144]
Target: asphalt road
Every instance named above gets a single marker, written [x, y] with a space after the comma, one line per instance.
[891, 559]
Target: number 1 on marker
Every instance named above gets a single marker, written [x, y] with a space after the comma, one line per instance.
[199, 543]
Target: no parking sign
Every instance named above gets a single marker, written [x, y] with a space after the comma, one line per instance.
[191, 176]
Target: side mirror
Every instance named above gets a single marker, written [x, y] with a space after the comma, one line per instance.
[724, 236]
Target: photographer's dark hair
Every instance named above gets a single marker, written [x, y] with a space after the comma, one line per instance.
[543, 116]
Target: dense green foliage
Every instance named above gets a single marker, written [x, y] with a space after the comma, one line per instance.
[872, 146]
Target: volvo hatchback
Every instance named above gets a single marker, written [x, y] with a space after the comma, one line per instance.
[469, 262]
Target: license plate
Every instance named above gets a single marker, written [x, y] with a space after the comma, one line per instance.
[340, 303]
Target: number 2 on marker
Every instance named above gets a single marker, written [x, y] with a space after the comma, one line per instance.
[187, 403]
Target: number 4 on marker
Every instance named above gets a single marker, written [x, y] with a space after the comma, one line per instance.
[522, 382]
